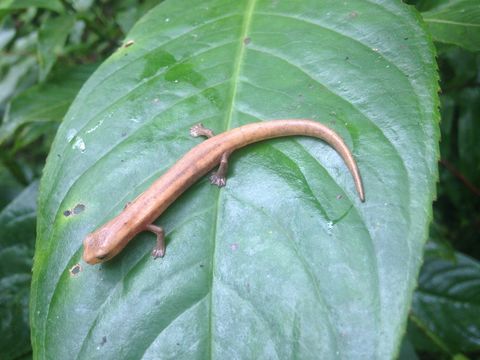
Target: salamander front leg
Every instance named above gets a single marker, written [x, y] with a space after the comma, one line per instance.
[200, 130]
[219, 177]
[159, 249]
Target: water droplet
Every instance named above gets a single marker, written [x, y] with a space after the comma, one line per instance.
[329, 227]
[95, 127]
[79, 144]
[71, 134]
[167, 20]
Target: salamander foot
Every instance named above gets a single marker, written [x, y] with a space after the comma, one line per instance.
[218, 180]
[200, 130]
[219, 177]
[159, 249]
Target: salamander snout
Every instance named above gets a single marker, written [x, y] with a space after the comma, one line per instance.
[93, 251]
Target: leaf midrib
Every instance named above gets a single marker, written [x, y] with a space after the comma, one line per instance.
[237, 66]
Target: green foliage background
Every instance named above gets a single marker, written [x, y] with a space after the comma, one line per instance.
[49, 48]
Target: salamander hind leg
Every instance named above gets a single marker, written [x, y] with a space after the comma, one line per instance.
[159, 249]
[219, 177]
[200, 130]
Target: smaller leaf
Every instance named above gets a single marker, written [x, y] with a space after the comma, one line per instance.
[6, 34]
[47, 102]
[54, 5]
[407, 352]
[127, 14]
[9, 185]
[457, 66]
[51, 39]
[469, 133]
[9, 84]
[422, 340]
[17, 236]
[33, 132]
[81, 5]
[25, 44]
[447, 301]
[127, 18]
[443, 247]
[455, 22]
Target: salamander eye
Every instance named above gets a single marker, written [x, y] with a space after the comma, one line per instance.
[102, 257]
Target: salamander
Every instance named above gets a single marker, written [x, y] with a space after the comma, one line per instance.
[108, 240]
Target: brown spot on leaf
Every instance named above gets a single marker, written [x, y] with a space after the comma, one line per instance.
[75, 211]
[78, 209]
[75, 270]
[104, 341]
[247, 40]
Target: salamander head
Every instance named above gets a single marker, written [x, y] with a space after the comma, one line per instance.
[97, 247]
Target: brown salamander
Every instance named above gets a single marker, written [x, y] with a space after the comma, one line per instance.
[138, 216]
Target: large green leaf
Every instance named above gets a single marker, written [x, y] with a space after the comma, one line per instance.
[17, 235]
[285, 261]
[455, 22]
